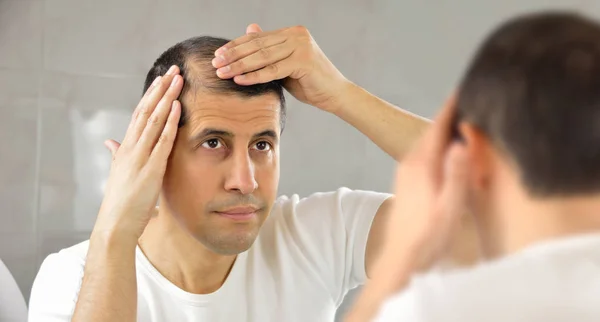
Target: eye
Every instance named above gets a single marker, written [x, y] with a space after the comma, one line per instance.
[263, 146]
[212, 144]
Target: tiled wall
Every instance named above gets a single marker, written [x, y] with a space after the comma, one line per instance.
[71, 72]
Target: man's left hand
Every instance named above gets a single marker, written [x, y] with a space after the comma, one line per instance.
[430, 198]
[290, 53]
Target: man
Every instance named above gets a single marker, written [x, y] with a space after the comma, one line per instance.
[205, 144]
[522, 153]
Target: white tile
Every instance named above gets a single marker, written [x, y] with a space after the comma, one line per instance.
[319, 152]
[75, 165]
[21, 34]
[96, 37]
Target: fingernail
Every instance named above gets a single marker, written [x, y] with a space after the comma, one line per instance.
[175, 81]
[224, 70]
[219, 51]
[171, 70]
[219, 60]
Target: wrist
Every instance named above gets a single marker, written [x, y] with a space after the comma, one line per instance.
[113, 239]
[341, 95]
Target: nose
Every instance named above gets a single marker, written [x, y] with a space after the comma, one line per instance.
[241, 175]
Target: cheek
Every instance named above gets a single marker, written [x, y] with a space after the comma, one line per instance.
[190, 181]
[267, 173]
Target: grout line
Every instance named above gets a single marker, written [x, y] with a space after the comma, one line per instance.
[38, 148]
[75, 74]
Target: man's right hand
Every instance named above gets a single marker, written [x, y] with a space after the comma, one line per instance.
[139, 164]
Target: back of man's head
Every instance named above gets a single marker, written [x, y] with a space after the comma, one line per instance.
[533, 89]
[194, 58]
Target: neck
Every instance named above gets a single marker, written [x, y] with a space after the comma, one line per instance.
[522, 221]
[181, 259]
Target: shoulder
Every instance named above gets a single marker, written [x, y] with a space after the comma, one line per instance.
[73, 257]
[58, 280]
[481, 293]
[444, 296]
[340, 200]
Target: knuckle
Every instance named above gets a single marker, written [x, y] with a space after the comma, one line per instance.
[164, 82]
[300, 29]
[153, 120]
[240, 65]
[264, 53]
[231, 52]
[143, 112]
[273, 69]
[258, 42]
[164, 138]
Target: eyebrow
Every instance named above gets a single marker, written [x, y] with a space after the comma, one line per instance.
[217, 132]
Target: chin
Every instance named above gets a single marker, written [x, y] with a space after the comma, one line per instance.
[230, 244]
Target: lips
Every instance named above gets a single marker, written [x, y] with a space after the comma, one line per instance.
[239, 213]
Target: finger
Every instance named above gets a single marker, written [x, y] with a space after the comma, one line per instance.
[112, 146]
[232, 55]
[257, 57]
[157, 121]
[439, 134]
[143, 100]
[246, 38]
[455, 189]
[162, 149]
[253, 28]
[431, 148]
[270, 73]
[147, 106]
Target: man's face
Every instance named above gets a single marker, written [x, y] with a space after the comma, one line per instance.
[221, 180]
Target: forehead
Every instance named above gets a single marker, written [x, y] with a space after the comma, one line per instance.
[232, 112]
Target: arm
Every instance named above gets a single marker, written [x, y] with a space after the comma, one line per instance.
[109, 288]
[311, 78]
[394, 130]
[463, 247]
[431, 192]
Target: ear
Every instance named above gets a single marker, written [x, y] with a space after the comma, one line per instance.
[479, 150]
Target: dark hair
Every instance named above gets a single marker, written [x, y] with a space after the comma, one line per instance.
[193, 57]
[533, 88]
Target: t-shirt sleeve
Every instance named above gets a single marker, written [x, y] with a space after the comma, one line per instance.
[56, 288]
[332, 230]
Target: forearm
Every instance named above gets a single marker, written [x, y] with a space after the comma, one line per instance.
[389, 127]
[109, 288]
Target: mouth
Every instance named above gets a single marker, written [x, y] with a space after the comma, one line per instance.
[239, 213]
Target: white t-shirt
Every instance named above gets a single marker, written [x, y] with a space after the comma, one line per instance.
[12, 304]
[553, 281]
[308, 255]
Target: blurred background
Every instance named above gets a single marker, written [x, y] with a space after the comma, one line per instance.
[71, 72]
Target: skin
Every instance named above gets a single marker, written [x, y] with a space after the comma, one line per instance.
[440, 181]
[231, 146]
[108, 290]
[206, 180]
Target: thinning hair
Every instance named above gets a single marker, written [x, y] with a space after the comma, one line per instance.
[194, 59]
